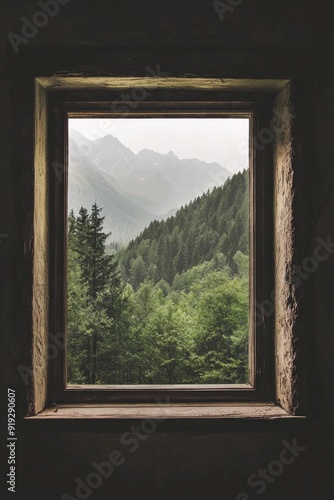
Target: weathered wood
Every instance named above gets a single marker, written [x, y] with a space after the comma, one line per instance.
[57, 83]
[169, 97]
[253, 411]
[40, 304]
[284, 247]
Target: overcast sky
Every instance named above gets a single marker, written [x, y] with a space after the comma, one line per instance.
[221, 140]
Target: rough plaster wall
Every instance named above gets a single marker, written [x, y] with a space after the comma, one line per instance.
[40, 307]
[167, 466]
[324, 311]
[285, 304]
[8, 240]
[322, 110]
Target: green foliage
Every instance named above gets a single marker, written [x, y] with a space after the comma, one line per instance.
[223, 330]
[169, 344]
[171, 307]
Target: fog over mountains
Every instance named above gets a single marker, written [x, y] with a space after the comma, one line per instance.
[133, 189]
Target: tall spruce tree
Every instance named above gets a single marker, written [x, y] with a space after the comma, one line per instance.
[100, 277]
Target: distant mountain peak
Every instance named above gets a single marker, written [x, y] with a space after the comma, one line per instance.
[135, 188]
[171, 154]
[109, 138]
[147, 151]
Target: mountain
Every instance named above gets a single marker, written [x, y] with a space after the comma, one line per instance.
[87, 184]
[134, 189]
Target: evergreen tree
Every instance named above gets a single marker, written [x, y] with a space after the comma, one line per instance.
[99, 277]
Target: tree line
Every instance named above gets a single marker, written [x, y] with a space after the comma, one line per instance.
[214, 223]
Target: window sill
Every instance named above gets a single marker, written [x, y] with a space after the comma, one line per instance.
[176, 418]
[243, 411]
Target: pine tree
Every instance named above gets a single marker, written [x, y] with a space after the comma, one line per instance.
[98, 262]
[100, 277]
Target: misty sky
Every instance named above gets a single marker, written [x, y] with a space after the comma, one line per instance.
[221, 140]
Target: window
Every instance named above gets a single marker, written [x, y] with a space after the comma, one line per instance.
[182, 99]
[164, 299]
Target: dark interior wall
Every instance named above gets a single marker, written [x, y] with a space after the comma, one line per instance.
[258, 39]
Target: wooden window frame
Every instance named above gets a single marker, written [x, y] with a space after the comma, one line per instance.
[183, 97]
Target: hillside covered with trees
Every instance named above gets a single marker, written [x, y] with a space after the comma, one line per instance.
[171, 307]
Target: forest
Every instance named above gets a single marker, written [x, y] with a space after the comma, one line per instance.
[169, 308]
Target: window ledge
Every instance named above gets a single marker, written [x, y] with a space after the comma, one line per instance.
[241, 411]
